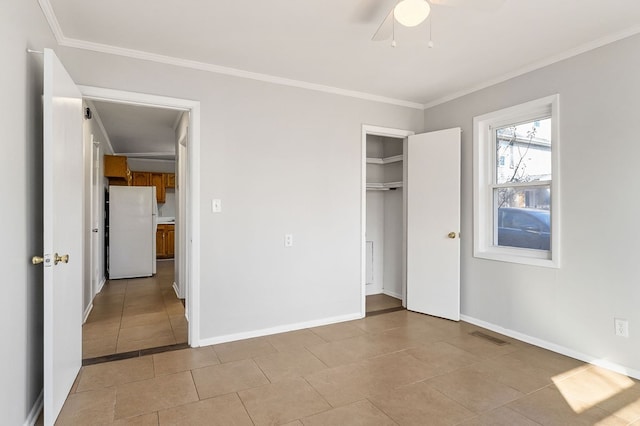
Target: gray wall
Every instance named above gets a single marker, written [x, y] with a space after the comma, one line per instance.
[22, 26]
[573, 306]
[283, 160]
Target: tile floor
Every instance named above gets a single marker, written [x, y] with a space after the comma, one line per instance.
[381, 302]
[398, 368]
[133, 314]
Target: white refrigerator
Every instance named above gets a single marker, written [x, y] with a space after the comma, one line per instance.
[133, 219]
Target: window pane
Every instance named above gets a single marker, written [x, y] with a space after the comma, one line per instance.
[523, 152]
[522, 217]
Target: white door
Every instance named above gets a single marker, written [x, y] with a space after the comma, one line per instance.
[96, 216]
[433, 223]
[63, 228]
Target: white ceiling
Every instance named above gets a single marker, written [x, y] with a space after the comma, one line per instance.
[138, 131]
[329, 43]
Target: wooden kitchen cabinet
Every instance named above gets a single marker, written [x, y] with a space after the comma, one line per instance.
[161, 243]
[117, 170]
[152, 179]
[141, 178]
[157, 180]
[171, 240]
[170, 180]
[165, 241]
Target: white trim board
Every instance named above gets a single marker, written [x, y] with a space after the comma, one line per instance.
[34, 413]
[553, 347]
[392, 294]
[62, 40]
[193, 220]
[176, 291]
[278, 329]
[101, 285]
[85, 314]
[96, 116]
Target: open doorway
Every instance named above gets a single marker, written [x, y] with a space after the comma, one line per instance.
[384, 219]
[132, 312]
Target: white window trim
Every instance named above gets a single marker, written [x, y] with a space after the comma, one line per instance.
[484, 165]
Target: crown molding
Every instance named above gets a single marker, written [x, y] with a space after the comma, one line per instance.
[62, 40]
[218, 69]
[52, 19]
[537, 65]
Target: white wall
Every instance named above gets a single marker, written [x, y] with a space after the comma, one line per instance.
[22, 26]
[375, 234]
[91, 127]
[282, 160]
[573, 306]
[168, 208]
[393, 240]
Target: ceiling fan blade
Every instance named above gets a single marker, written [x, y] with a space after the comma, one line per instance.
[470, 4]
[385, 30]
[367, 10]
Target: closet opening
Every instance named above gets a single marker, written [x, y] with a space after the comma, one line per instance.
[384, 218]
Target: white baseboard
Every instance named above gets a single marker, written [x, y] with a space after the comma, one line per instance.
[372, 289]
[35, 410]
[101, 285]
[86, 312]
[279, 329]
[554, 347]
[177, 291]
[392, 294]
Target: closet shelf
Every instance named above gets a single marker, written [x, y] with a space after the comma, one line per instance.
[386, 186]
[385, 160]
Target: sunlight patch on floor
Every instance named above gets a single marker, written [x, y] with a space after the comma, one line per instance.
[588, 388]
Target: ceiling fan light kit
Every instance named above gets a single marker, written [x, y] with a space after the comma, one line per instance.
[411, 12]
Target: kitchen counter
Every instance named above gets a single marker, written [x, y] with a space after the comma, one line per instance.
[166, 221]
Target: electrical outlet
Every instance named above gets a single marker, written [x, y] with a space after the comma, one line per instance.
[288, 240]
[622, 327]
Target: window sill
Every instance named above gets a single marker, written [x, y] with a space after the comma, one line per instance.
[521, 256]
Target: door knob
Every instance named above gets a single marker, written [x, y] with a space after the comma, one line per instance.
[94, 230]
[36, 260]
[63, 259]
[451, 235]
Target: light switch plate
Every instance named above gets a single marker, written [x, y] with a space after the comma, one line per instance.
[216, 206]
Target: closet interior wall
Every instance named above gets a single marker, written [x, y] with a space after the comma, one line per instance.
[385, 213]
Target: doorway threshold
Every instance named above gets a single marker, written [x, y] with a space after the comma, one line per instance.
[134, 354]
[385, 311]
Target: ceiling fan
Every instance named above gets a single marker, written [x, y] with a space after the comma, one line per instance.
[411, 13]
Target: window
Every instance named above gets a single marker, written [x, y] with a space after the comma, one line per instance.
[516, 200]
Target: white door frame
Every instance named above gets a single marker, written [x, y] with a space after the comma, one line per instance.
[94, 217]
[392, 133]
[192, 249]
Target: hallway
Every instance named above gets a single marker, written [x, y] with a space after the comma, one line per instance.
[133, 314]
